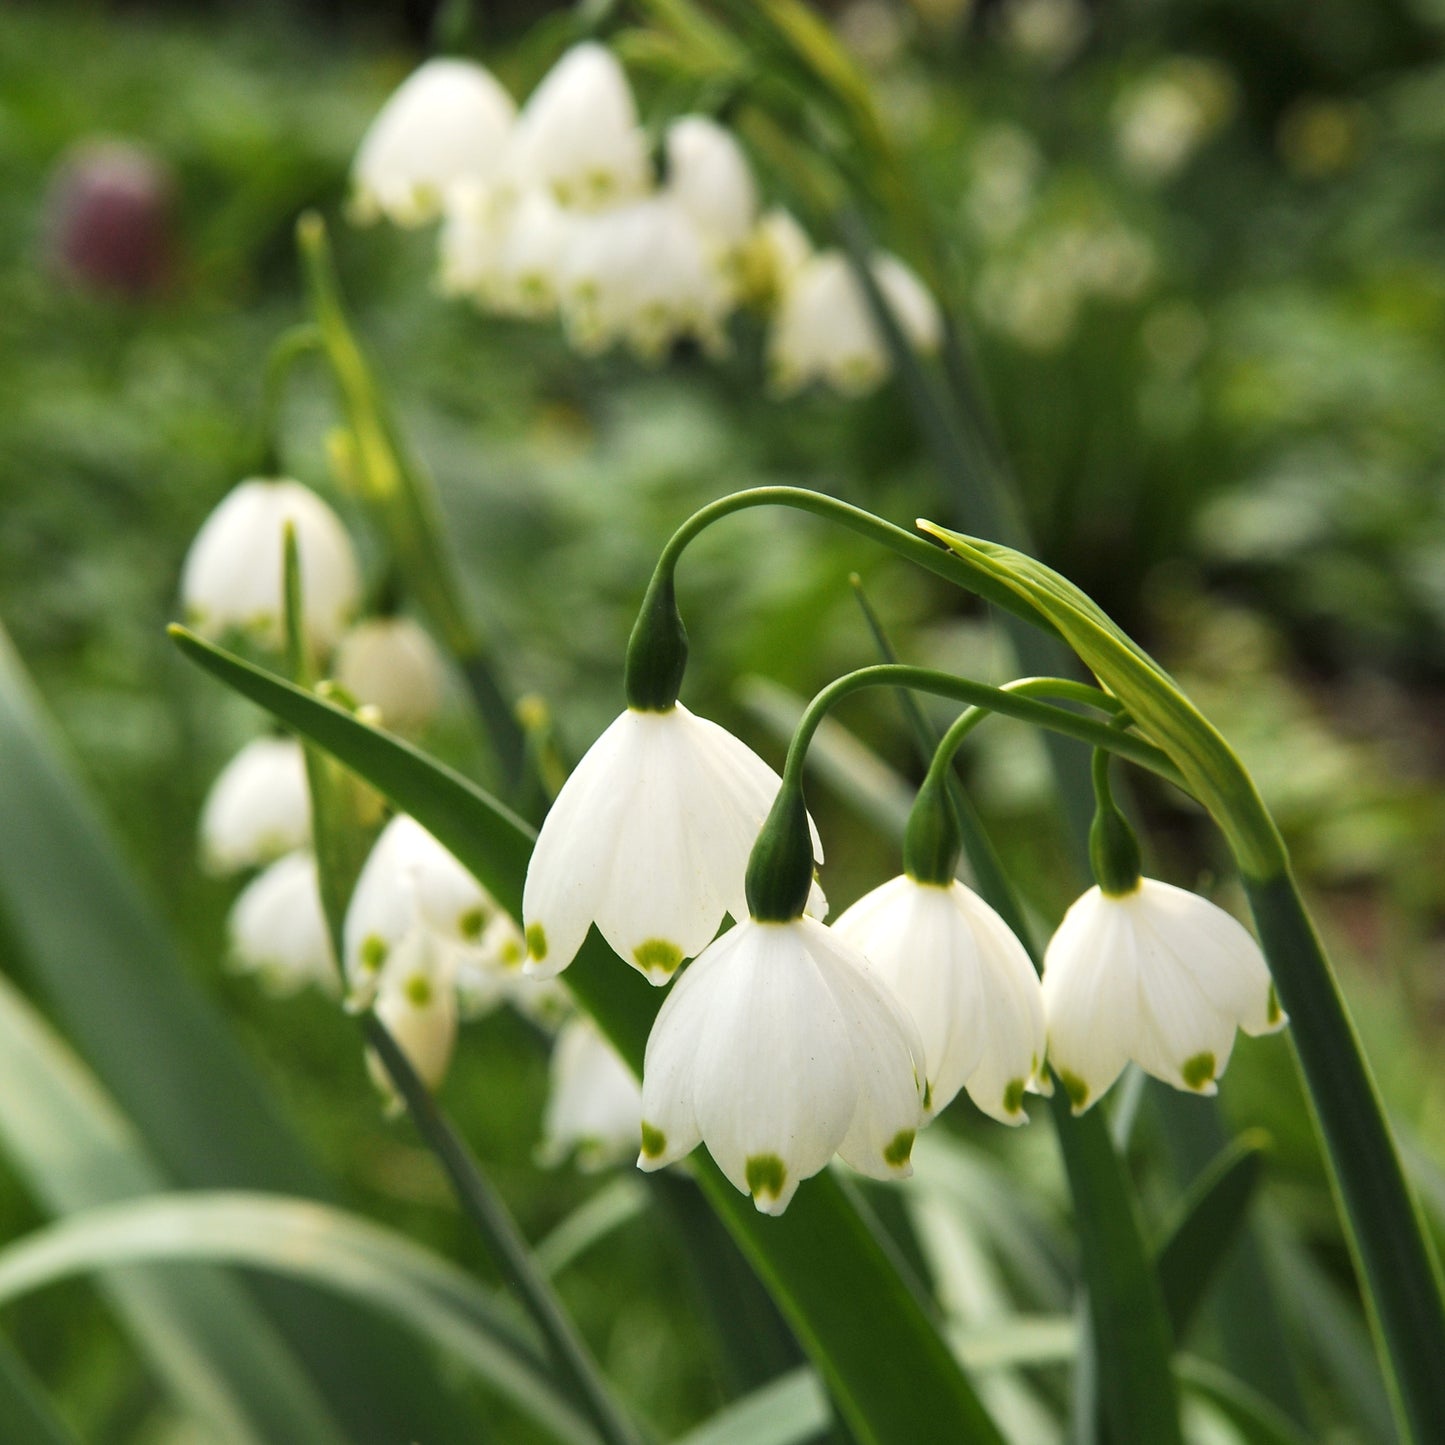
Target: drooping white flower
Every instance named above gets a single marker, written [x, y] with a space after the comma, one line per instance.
[1160, 976]
[258, 808]
[410, 884]
[446, 125]
[965, 980]
[392, 664]
[777, 1050]
[233, 573]
[825, 331]
[578, 137]
[277, 929]
[489, 972]
[649, 838]
[775, 253]
[417, 1004]
[709, 177]
[594, 1104]
[641, 274]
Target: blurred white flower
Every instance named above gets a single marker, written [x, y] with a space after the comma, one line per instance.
[594, 1104]
[446, 125]
[258, 808]
[641, 274]
[577, 135]
[709, 177]
[392, 664]
[777, 1050]
[411, 883]
[967, 983]
[417, 1004]
[277, 929]
[233, 573]
[1048, 32]
[649, 838]
[773, 257]
[1160, 976]
[825, 331]
[1162, 121]
[1006, 165]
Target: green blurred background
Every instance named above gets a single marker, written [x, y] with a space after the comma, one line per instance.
[1200, 249]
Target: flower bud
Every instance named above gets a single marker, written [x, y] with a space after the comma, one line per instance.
[392, 664]
[258, 808]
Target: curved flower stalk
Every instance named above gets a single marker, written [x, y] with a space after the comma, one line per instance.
[594, 1104]
[258, 808]
[232, 577]
[444, 128]
[391, 664]
[649, 839]
[277, 930]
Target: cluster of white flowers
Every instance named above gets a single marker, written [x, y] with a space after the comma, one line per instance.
[786, 1041]
[555, 210]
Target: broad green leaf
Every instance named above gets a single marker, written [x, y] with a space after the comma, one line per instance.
[820, 1260]
[28, 1415]
[1206, 1225]
[110, 975]
[323, 1246]
[205, 1338]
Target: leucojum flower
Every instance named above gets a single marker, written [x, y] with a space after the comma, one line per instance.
[258, 808]
[277, 929]
[594, 1105]
[558, 211]
[1142, 970]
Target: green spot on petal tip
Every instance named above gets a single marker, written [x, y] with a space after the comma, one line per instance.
[657, 955]
[1199, 1070]
[1273, 1011]
[1075, 1088]
[536, 941]
[899, 1149]
[766, 1174]
[373, 952]
[654, 1141]
[1013, 1096]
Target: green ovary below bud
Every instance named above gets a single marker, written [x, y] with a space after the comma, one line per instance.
[931, 845]
[657, 649]
[1114, 853]
[780, 871]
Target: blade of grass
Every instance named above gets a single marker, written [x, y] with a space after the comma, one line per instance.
[820, 1260]
[24, 1407]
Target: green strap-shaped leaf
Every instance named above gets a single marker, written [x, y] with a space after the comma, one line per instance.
[1206, 1225]
[339, 1252]
[109, 973]
[820, 1260]
[204, 1337]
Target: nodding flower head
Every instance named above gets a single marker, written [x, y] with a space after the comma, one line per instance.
[258, 808]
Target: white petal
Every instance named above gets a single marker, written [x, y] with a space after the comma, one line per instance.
[418, 1008]
[710, 176]
[277, 928]
[594, 1104]
[775, 1083]
[232, 577]
[887, 1059]
[392, 663]
[258, 808]
[446, 125]
[1091, 997]
[572, 861]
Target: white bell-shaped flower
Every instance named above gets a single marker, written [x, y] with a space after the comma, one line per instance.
[234, 572]
[594, 1103]
[277, 929]
[777, 1049]
[258, 808]
[469, 242]
[578, 137]
[642, 274]
[410, 881]
[417, 1004]
[777, 250]
[709, 177]
[825, 331]
[967, 983]
[533, 238]
[392, 664]
[489, 971]
[446, 125]
[649, 839]
[1157, 975]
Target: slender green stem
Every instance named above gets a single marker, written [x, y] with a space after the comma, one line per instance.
[996, 699]
[509, 1249]
[1387, 1235]
[290, 347]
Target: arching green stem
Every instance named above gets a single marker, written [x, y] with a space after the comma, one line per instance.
[290, 347]
[1011, 702]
